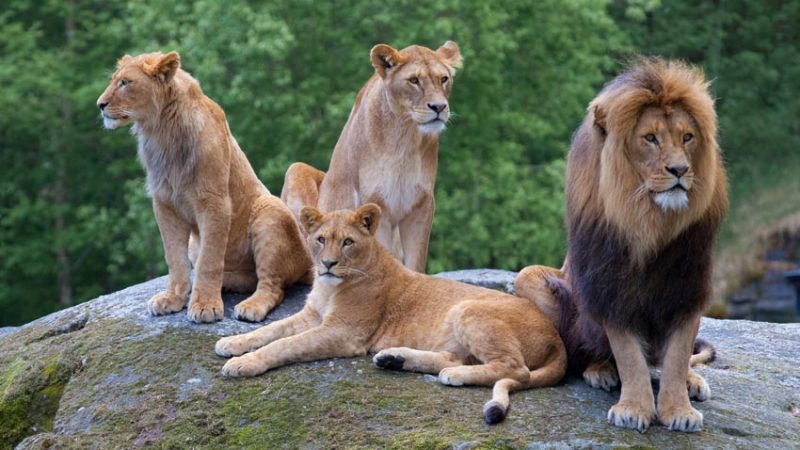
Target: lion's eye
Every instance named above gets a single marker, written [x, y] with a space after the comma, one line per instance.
[413, 80]
[123, 83]
[444, 80]
[347, 242]
[688, 137]
[651, 138]
[321, 240]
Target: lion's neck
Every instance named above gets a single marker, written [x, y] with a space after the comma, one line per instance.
[167, 143]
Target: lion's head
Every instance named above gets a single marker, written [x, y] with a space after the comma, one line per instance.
[418, 81]
[646, 158]
[342, 242]
[138, 88]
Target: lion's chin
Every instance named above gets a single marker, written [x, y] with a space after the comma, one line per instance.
[674, 199]
[111, 123]
[433, 128]
[329, 280]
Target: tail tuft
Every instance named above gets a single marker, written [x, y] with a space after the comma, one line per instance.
[493, 412]
[703, 352]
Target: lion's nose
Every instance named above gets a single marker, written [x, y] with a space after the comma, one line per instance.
[328, 263]
[438, 107]
[677, 170]
[102, 105]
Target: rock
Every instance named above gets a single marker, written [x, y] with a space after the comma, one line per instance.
[106, 374]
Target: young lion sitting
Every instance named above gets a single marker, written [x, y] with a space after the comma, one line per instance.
[364, 300]
[203, 186]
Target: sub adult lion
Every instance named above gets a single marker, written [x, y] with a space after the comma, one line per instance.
[646, 192]
[388, 150]
[364, 300]
[203, 186]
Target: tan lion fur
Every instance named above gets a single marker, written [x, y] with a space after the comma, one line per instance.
[655, 120]
[606, 184]
[203, 186]
[388, 151]
[364, 300]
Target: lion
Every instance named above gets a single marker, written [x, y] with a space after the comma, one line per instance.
[203, 186]
[388, 150]
[364, 300]
[646, 193]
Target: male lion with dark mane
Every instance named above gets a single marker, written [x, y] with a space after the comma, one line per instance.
[203, 186]
[364, 300]
[646, 192]
[388, 151]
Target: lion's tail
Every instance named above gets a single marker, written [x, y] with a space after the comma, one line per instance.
[551, 373]
[704, 352]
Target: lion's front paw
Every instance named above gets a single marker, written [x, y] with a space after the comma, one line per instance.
[231, 346]
[631, 415]
[389, 361]
[252, 310]
[450, 376]
[697, 387]
[680, 418]
[206, 310]
[166, 303]
[601, 376]
[243, 366]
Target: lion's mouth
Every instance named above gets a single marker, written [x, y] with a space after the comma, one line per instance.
[434, 120]
[120, 117]
[677, 187]
[328, 274]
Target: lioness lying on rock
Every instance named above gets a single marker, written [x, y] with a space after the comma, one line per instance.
[203, 186]
[364, 300]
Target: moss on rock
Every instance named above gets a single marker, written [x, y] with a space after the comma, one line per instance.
[111, 376]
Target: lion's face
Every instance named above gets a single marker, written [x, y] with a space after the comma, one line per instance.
[136, 88]
[418, 81]
[662, 148]
[342, 242]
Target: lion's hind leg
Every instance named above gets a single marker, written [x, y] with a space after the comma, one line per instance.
[280, 254]
[697, 387]
[404, 358]
[601, 375]
[301, 187]
[533, 283]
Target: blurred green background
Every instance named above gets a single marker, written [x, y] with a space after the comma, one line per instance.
[74, 218]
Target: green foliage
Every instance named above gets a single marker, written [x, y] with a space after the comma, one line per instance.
[74, 218]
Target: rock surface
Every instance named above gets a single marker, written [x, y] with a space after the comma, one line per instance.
[105, 374]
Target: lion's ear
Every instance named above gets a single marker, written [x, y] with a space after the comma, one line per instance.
[368, 216]
[167, 66]
[600, 119]
[451, 54]
[310, 218]
[384, 58]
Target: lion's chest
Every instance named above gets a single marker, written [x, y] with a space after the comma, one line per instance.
[170, 173]
[399, 182]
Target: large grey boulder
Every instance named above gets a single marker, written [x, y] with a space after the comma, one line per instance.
[106, 374]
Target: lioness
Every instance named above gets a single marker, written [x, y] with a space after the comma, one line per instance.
[388, 151]
[202, 185]
[646, 193]
[364, 300]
